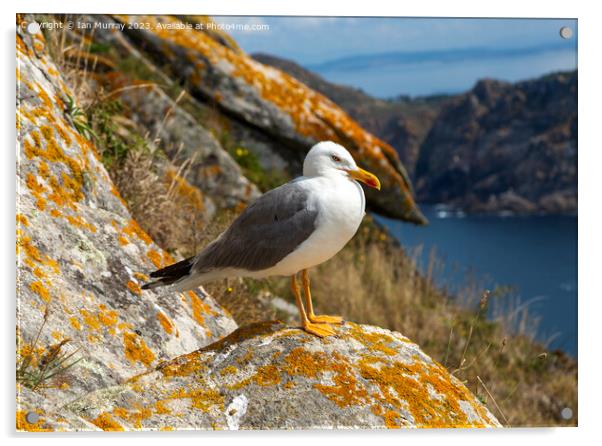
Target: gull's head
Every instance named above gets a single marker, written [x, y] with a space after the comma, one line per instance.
[331, 159]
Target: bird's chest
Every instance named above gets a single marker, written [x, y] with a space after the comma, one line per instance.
[341, 209]
[341, 212]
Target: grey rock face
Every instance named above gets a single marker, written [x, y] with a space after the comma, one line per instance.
[211, 169]
[182, 137]
[268, 376]
[81, 258]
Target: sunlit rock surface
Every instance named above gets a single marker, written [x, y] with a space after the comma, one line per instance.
[81, 258]
[269, 376]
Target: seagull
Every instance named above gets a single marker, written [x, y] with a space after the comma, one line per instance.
[285, 232]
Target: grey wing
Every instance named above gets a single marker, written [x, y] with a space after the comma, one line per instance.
[265, 233]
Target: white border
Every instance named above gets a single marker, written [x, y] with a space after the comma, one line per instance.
[590, 224]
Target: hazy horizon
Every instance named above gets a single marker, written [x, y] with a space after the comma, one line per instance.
[388, 57]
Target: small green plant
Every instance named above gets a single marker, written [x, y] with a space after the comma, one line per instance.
[253, 170]
[35, 370]
[112, 143]
[99, 48]
[79, 118]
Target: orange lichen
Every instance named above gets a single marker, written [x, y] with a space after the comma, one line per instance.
[31, 251]
[189, 194]
[199, 308]
[229, 370]
[267, 375]
[123, 240]
[134, 287]
[346, 391]
[33, 185]
[22, 220]
[185, 365]
[121, 413]
[107, 423]
[154, 257]
[91, 320]
[392, 419]
[374, 341]
[304, 363]
[39, 273]
[75, 323]
[39, 288]
[406, 386]
[142, 277]
[161, 407]
[200, 398]
[165, 322]
[108, 318]
[137, 416]
[53, 264]
[136, 349]
[79, 222]
[132, 229]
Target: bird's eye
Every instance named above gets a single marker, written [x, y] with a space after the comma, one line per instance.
[335, 158]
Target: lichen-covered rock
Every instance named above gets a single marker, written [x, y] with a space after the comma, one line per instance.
[80, 256]
[268, 376]
[291, 114]
[181, 137]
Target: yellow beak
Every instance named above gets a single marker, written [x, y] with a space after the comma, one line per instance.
[365, 177]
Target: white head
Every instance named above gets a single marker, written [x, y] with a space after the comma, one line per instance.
[331, 159]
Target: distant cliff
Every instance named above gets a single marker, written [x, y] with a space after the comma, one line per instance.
[403, 122]
[505, 147]
[500, 147]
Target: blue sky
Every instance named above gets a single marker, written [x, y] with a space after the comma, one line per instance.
[519, 49]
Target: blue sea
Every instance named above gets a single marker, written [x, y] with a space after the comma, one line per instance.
[536, 256]
[438, 75]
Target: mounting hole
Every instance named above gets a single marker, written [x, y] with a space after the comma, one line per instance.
[32, 417]
[566, 413]
[566, 32]
[33, 28]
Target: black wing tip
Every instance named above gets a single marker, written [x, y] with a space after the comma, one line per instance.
[164, 281]
[177, 270]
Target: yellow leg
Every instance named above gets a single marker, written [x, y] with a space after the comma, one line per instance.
[317, 329]
[322, 319]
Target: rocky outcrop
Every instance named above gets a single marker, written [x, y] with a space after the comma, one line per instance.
[505, 147]
[402, 122]
[268, 376]
[184, 139]
[266, 107]
[81, 257]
